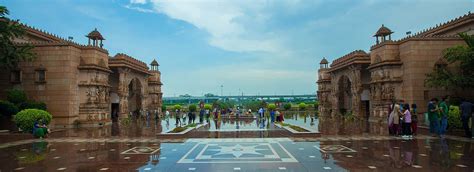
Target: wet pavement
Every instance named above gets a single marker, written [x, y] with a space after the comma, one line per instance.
[344, 146]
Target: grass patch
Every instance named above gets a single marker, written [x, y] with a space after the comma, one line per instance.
[294, 127]
[182, 128]
[297, 128]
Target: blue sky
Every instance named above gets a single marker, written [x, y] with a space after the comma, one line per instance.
[256, 46]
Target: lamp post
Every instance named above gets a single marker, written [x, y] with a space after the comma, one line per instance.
[222, 93]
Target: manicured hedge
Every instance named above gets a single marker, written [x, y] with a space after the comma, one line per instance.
[7, 108]
[25, 119]
[454, 117]
[271, 106]
[287, 106]
[208, 106]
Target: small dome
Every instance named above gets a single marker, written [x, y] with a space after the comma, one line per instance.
[383, 31]
[95, 35]
[324, 61]
[154, 63]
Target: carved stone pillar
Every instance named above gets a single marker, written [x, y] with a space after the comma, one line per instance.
[123, 92]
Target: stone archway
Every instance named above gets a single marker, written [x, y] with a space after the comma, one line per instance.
[135, 96]
[344, 95]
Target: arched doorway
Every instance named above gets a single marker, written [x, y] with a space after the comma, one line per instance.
[344, 95]
[134, 96]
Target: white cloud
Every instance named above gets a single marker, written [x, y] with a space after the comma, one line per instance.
[232, 25]
[138, 1]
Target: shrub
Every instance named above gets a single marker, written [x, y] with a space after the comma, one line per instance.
[16, 96]
[287, 106]
[208, 106]
[32, 105]
[7, 108]
[163, 108]
[454, 117]
[316, 105]
[302, 106]
[271, 106]
[177, 107]
[192, 108]
[25, 119]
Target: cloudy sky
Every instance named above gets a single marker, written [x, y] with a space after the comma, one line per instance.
[256, 46]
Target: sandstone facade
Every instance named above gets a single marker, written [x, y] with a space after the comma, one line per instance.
[82, 84]
[365, 84]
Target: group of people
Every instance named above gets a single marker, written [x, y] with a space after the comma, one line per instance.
[403, 119]
[275, 115]
[438, 116]
[40, 129]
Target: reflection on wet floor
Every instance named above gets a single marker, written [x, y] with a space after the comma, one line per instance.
[272, 154]
[344, 146]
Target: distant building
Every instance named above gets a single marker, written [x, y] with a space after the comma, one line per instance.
[82, 84]
[365, 84]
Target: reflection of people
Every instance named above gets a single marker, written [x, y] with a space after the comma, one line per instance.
[414, 119]
[466, 112]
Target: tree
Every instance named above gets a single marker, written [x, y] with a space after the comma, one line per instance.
[11, 54]
[287, 106]
[462, 78]
[209, 95]
[302, 106]
[192, 108]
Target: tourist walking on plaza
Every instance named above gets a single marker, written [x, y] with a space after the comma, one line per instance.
[406, 121]
[433, 111]
[238, 112]
[414, 119]
[278, 117]
[167, 117]
[207, 115]
[466, 113]
[178, 117]
[201, 116]
[444, 110]
[395, 119]
[261, 112]
[390, 119]
[272, 116]
[216, 113]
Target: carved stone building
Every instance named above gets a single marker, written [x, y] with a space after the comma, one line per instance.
[366, 83]
[82, 84]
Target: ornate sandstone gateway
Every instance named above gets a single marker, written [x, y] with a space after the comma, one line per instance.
[365, 84]
[81, 84]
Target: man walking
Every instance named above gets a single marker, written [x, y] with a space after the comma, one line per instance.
[433, 116]
[466, 113]
[444, 110]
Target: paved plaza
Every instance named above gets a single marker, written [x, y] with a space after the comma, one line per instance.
[81, 150]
